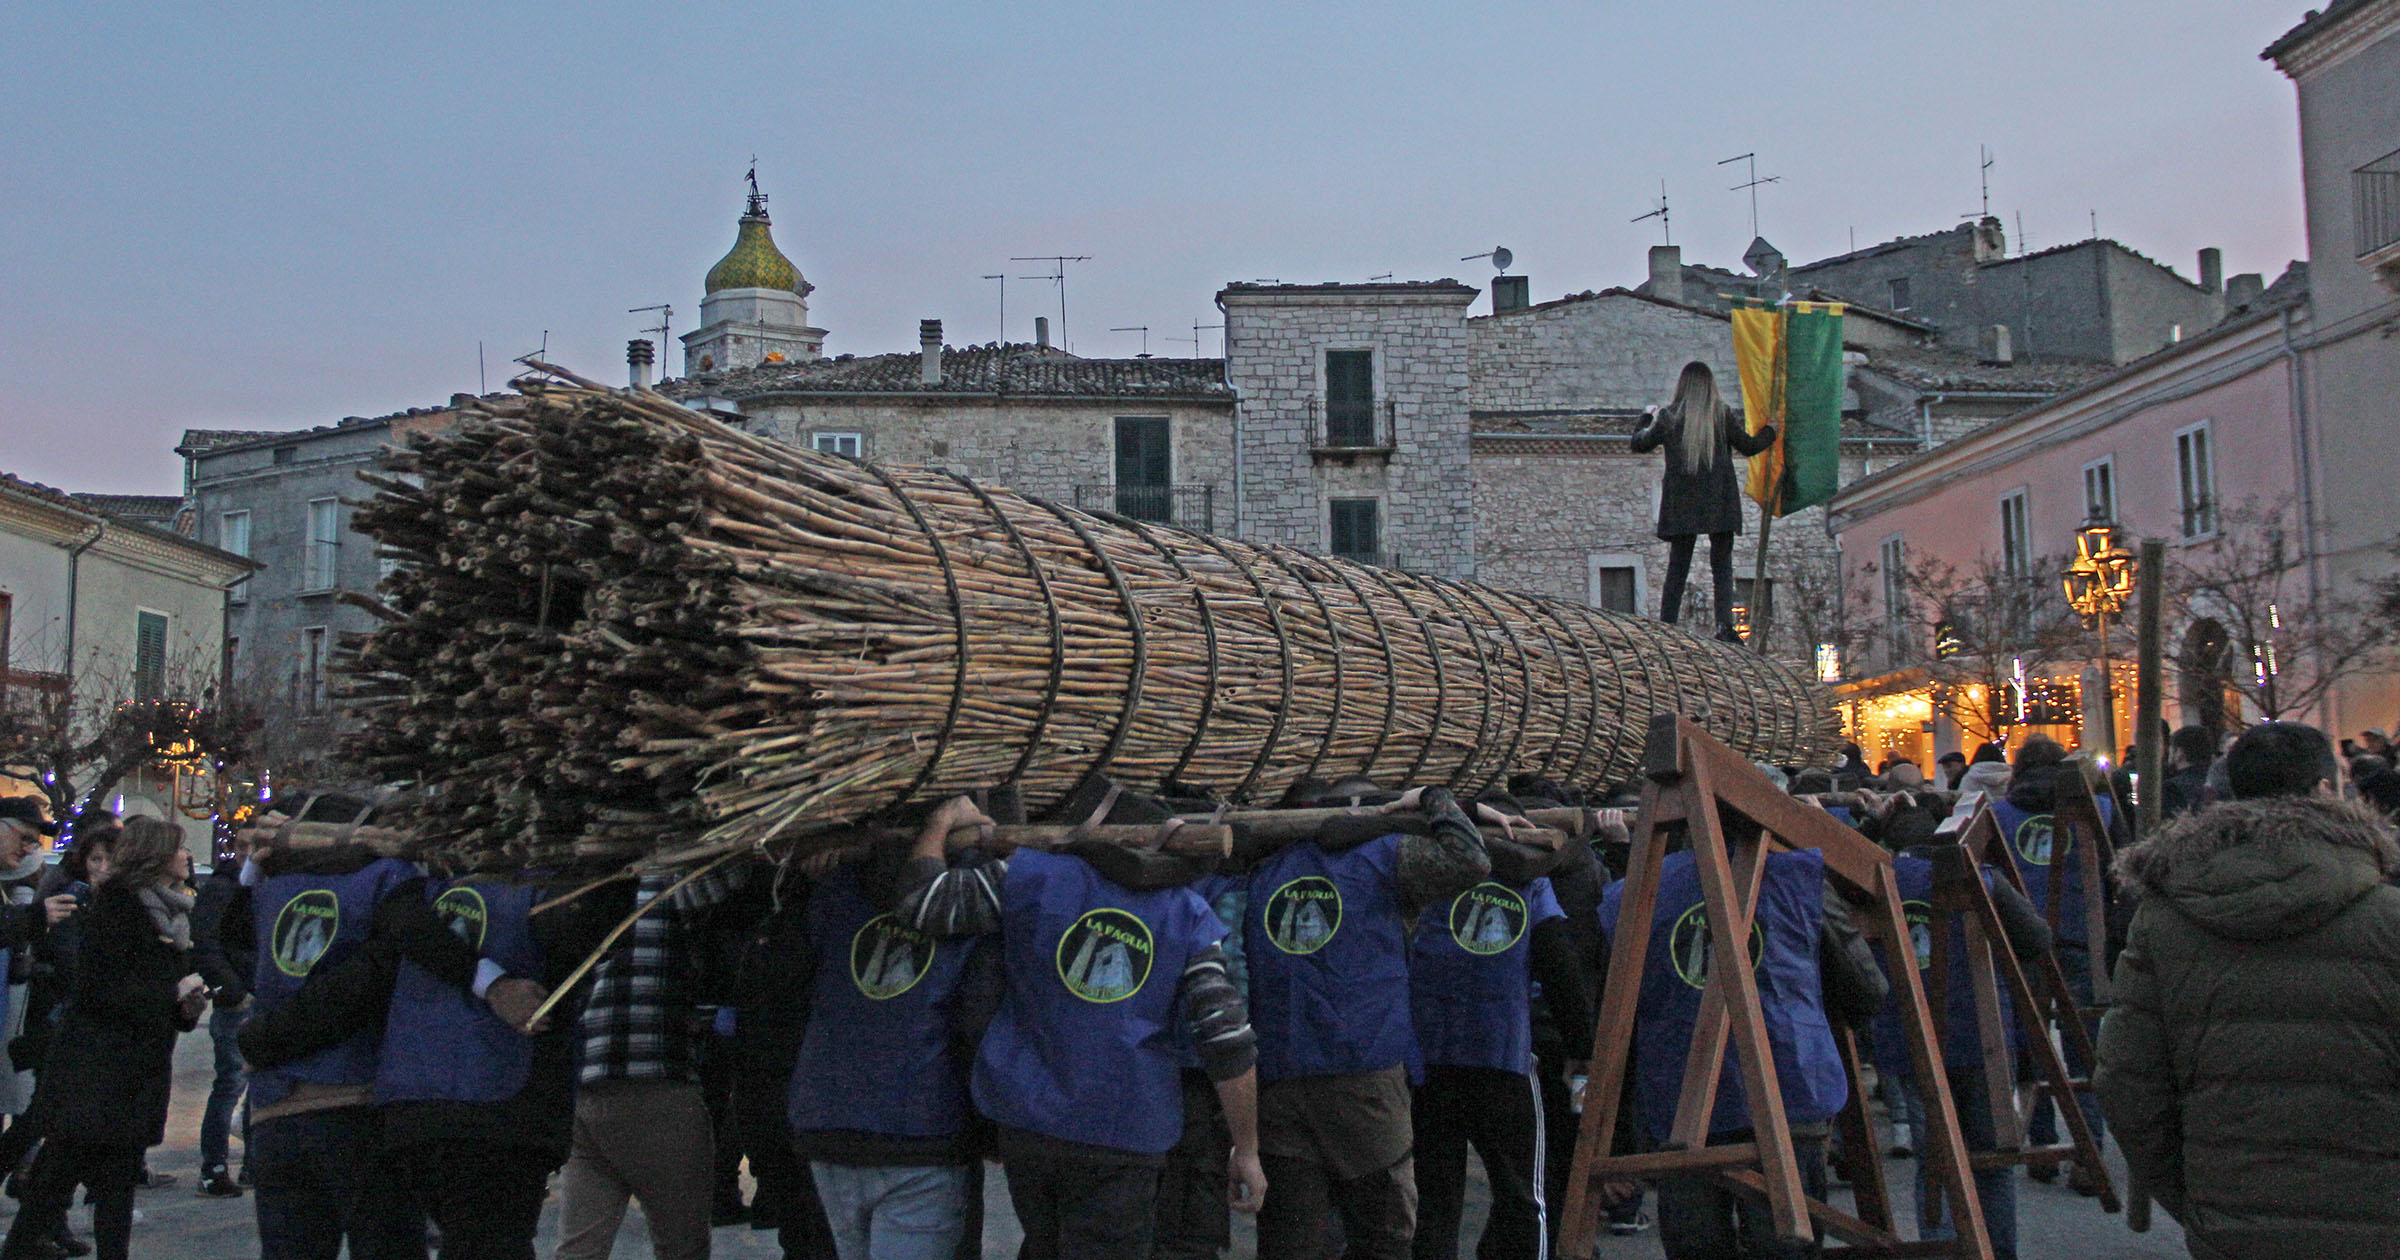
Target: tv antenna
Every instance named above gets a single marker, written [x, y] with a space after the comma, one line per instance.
[1194, 339]
[1986, 154]
[1666, 222]
[1143, 329]
[1002, 277]
[1385, 276]
[1499, 255]
[1058, 276]
[1755, 180]
[666, 316]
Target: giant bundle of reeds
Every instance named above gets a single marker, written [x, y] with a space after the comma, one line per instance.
[627, 630]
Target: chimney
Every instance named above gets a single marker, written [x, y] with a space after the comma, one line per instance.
[1996, 347]
[1041, 331]
[1666, 272]
[2245, 289]
[1990, 240]
[2212, 269]
[638, 357]
[929, 351]
[1511, 293]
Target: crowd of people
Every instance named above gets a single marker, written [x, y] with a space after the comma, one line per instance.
[1148, 1044]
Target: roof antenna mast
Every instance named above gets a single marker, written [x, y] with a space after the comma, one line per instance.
[1666, 222]
[1058, 276]
[1986, 151]
[1755, 181]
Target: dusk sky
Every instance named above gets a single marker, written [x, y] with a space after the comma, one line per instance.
[270, 216]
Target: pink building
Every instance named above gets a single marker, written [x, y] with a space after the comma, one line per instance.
[2194, 444]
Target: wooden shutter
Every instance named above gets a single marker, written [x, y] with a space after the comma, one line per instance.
[149, 656]
[1350, 398]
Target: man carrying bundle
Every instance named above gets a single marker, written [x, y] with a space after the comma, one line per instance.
[1079, 1069]
[1811, 968]
[1327, 937]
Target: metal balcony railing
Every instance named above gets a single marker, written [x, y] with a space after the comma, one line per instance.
[2376, 187]
[1192, 507]
[1361, 425]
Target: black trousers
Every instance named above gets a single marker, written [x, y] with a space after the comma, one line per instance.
[1194, 1222]
[1679, 572]
[1081, 1209]
[110, 1171]
[786, 1193]
[486, 1200]
[1500, 1115]
[1700, 1219]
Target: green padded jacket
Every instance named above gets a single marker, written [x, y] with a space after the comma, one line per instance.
[2251, 1064]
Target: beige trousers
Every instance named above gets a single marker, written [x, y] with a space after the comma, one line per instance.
[646, 1140]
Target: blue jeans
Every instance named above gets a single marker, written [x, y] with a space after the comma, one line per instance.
[1995, 1188]
[216, 1123]
[2076, 961]
[893, 1213]
[322, 1176]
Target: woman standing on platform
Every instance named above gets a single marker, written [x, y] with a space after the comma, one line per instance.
[101, 1100]
[1700, 434]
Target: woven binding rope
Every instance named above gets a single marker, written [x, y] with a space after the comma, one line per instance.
[754, 643]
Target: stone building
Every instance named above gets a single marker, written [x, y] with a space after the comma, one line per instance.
[2344, 63]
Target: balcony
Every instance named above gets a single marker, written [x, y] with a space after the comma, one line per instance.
[2376, 208]
[1192, 507]
[1354, 431]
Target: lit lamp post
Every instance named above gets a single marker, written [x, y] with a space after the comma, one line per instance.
[2098, 582]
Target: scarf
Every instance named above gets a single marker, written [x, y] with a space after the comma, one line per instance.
[170, 910]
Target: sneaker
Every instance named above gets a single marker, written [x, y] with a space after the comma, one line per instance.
[68, 1244]
[1640, 1224]
[243, 1178]
[155, 1180]
[216, 1184]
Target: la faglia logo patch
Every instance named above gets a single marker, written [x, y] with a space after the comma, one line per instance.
[463, 911]
[2038, 841]
[1487, 918]
[1304, 914]
[304, 930]
[1688, 945]
[1105, 955]
[888, 957]
[1920, 931]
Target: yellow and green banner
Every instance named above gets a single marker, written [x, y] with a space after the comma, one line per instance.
[1790, 358]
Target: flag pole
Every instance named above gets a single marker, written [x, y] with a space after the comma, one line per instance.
[1762, 596]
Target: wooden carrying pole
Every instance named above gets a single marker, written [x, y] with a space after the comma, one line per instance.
[1692, 781]
[2038, 998]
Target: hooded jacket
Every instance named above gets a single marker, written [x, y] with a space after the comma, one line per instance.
[2251, 1065]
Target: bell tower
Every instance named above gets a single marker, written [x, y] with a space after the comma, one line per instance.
[755, 308]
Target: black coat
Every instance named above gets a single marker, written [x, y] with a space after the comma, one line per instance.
[1698, 500]
[106, 1080]
[224, 939]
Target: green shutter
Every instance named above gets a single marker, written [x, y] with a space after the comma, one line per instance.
[149, 656]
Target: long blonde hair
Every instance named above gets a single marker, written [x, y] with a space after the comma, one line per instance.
[1700, 410]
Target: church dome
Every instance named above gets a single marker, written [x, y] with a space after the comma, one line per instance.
[754, 262]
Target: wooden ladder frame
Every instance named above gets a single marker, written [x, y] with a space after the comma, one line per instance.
[1690, 777]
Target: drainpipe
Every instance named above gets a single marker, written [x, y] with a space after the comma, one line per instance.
[2304, 457]
[1925, 419]
[74, 576]
[1237, 417]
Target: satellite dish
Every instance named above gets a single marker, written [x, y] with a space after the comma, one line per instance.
[1501, 258]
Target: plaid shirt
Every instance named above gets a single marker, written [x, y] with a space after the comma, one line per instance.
[637, 1024]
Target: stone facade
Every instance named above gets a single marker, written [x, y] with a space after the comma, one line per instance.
[1276, 341]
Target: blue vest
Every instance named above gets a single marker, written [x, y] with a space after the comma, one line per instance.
[2039, 847]
[877, 1057]
[441, 1043]
[1470, 975]
[1083, 1048]
[1783, 948]
[1962, 1039]
[1328, 954]
[304, 922]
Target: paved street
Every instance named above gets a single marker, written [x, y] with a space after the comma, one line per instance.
[178, 1224]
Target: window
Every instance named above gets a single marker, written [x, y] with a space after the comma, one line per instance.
[287, 455]
[312, 670]
[2100, 491]
[1145, 469]
[1894, 557]
[2196, 481]
[2016, 542]
[847, 445]
[1617, 588]
[2375, 191]
[1745, 601]
[233, 534]
[1350, 398]
[149, 655]
[321, 563]
[1899, 288]
[1357, 530]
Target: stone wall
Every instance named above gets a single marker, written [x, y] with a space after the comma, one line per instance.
[1609, 350]
[1275, 343]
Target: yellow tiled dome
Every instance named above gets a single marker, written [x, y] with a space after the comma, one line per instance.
[754, 262]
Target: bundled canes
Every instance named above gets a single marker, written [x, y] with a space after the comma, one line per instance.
[627, 630]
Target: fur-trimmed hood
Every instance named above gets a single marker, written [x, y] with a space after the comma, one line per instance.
[2268, 867]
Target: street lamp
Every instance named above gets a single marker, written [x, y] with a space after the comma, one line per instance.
[2099, 580]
